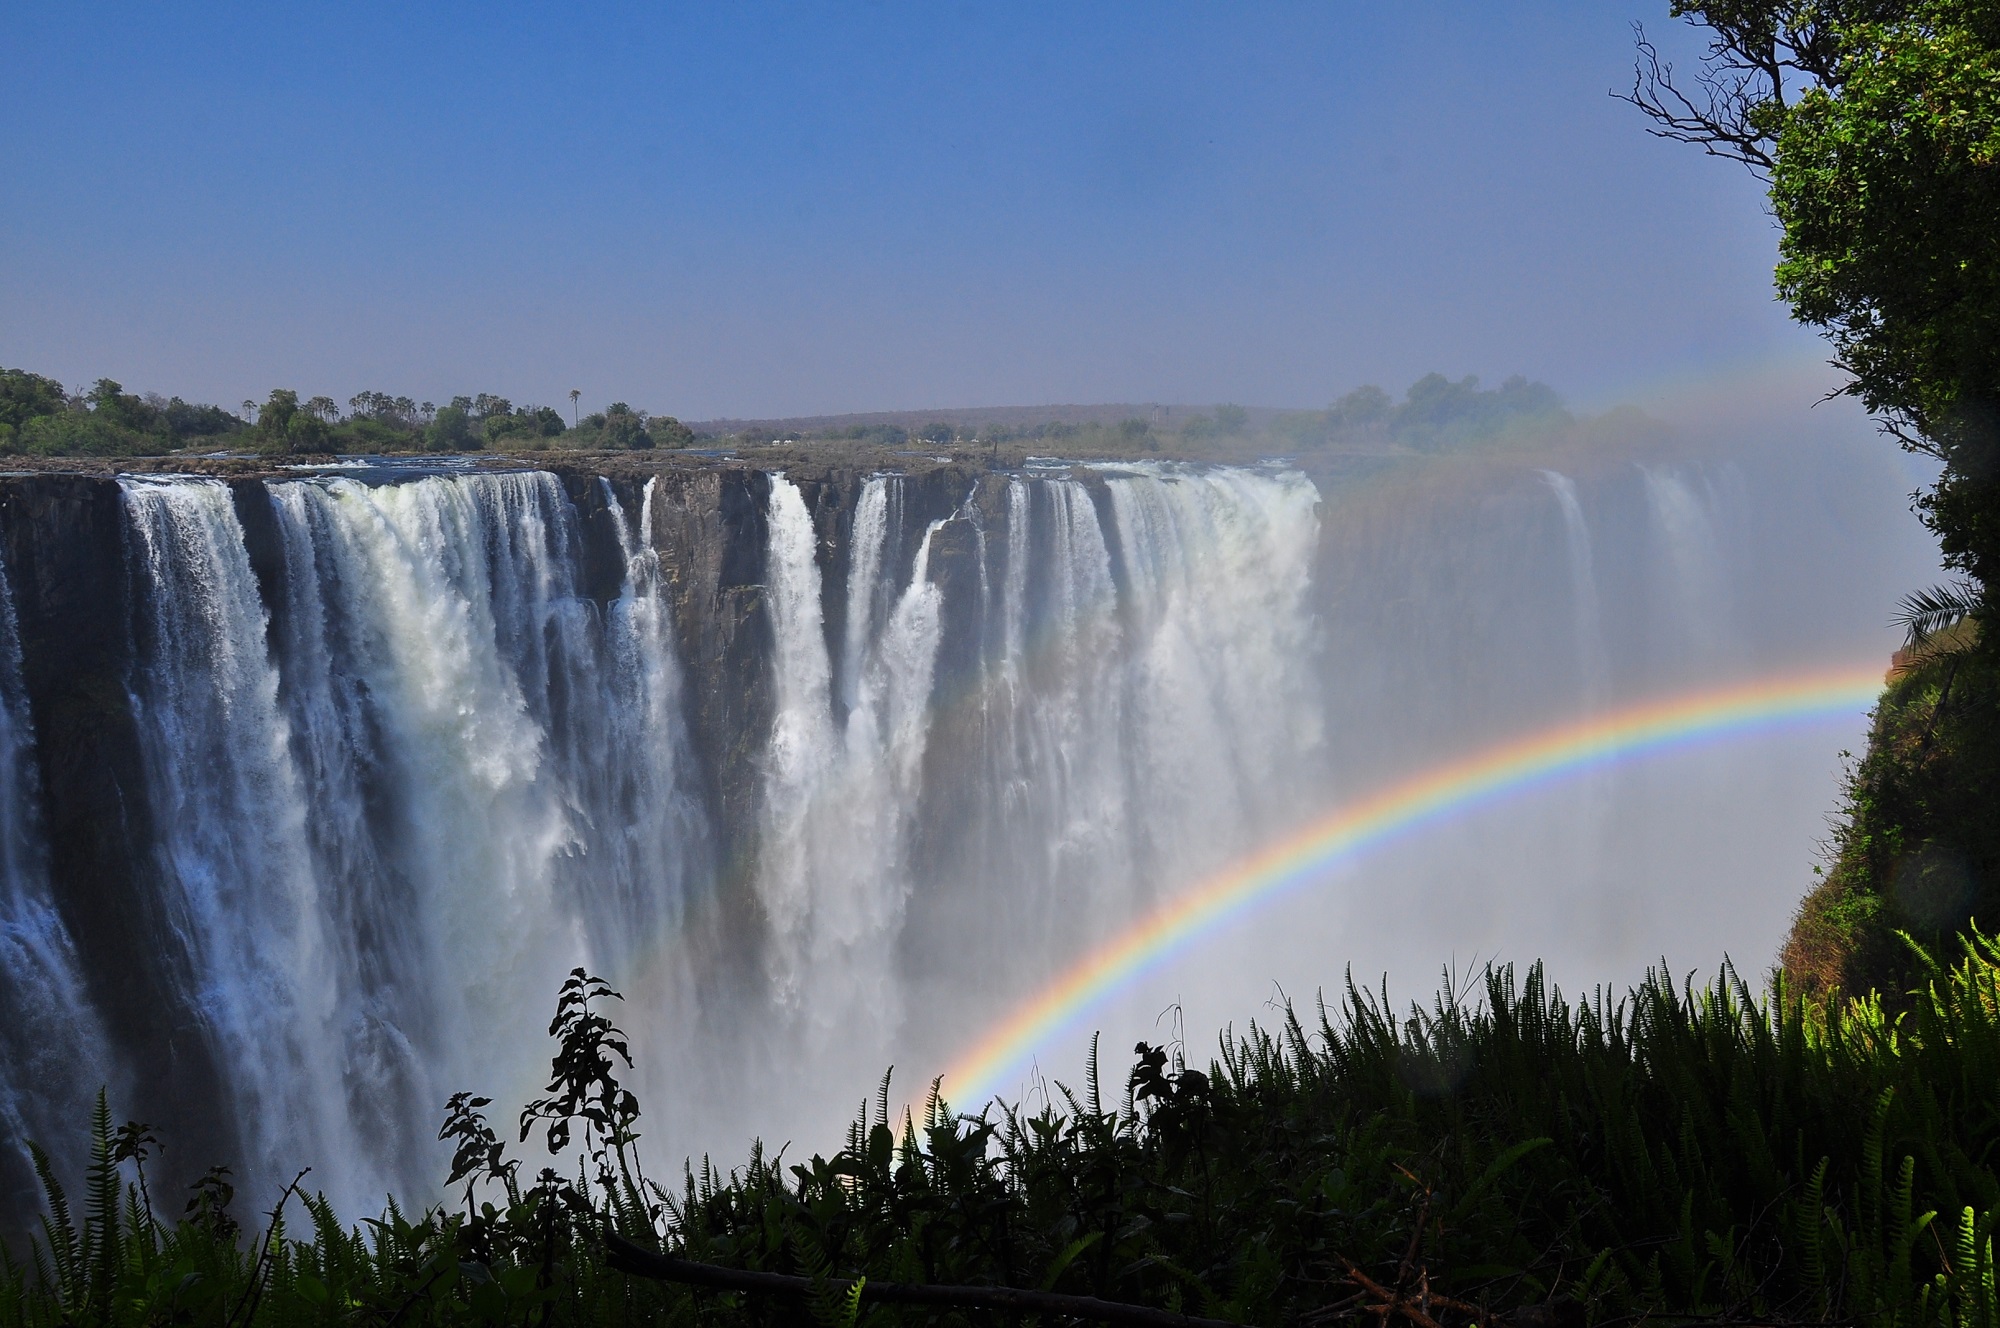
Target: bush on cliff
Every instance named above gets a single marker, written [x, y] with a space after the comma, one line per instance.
[1917, 850]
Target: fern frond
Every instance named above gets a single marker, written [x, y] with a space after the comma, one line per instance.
[100, 1222]
[65, 1251]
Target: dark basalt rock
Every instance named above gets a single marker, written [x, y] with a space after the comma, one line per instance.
[66, 549]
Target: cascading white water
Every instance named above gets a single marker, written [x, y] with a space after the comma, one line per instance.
[652, 841]
[1146, 709]
[510, 763]
[250, 945]
[397, 808]
[1593, 669]
[840, 789]
[1692, 572]
[1059, 823]
[1225, 714]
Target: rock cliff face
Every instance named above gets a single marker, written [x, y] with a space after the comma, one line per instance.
[64, 541]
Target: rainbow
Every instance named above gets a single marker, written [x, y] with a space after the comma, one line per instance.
[1459, 787]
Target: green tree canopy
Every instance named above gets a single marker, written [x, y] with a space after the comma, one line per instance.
[38, 418]
[1436, 413]
[669, 432]
[285, 425]
[25, 395]
[451, 429]
[623, 427]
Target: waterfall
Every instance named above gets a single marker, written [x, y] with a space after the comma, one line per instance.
[840, 789]
[1222, 690]
[654, 847]
[820, 770]
[250, 947]
[400, 801]
[1064, 799]
[1693, 564]
[1593, 668]
[1146, 708]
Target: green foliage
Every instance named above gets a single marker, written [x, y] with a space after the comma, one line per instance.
[451, 429]
[381, 408]
[1362, 408]
[623, 428]
[80, 433]
[1437, 412]
[1679, 1154]
[285, 426]
[503, 424]
[1926, 615]
[669, 432]
[1887, 181]
[24, 396]
[37, 418]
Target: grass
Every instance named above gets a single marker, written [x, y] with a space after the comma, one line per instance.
[1693, 1155]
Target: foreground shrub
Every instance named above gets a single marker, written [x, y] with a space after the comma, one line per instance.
[1694, 1155]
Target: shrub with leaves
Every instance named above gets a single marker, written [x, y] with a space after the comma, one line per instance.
[1692, 1155]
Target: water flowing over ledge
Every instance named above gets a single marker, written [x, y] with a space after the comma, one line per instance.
[312, 787]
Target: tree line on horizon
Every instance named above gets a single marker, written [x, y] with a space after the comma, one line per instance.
[39, 417]
[1435, 414]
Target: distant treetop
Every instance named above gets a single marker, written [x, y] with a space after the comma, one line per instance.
[1435, 414]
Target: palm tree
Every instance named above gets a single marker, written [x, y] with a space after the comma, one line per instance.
[575, 394]
[1929, 617]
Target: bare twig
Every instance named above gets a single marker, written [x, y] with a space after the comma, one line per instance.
[1720, 123]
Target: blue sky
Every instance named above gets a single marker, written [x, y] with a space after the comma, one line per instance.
[775, 209]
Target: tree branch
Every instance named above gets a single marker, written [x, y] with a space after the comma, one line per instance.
[1722, 127]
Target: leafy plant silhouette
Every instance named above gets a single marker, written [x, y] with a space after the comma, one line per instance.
[1503, 1157]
